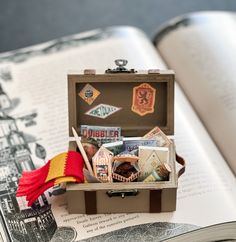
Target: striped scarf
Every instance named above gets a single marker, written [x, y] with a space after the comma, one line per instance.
[65, 167]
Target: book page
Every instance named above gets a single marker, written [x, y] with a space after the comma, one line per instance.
[200, 48]
[36, 82]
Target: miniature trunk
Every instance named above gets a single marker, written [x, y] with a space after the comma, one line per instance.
[136, 102]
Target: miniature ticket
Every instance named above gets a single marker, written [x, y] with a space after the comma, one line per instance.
[159, 136]
[133, 144]
[102, 134]
[115, 147]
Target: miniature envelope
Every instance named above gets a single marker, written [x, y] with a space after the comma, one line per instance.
[150, 158]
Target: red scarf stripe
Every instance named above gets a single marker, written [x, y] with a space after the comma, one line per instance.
[33, 184]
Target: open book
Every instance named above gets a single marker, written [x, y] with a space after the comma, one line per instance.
[200, 48]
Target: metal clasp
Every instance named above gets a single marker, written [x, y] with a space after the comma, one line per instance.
[122, 193]
[121, 63]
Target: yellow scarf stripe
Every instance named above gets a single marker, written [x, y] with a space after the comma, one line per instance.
[64, 179]
[57, 167]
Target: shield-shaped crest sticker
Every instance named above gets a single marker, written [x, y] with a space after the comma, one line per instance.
[143, 99]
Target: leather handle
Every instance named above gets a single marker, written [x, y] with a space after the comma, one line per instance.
[182, 162]
[90, 199]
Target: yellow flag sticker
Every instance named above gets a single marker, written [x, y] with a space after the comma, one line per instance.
[89, 94]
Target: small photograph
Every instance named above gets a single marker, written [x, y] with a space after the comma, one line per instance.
[102, 171]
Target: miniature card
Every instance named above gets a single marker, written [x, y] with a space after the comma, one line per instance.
[131, 145]
[115, 147]
[157, 134]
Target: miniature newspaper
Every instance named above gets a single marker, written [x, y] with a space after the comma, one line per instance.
[34, 127]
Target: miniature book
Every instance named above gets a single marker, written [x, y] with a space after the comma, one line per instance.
[36, 131]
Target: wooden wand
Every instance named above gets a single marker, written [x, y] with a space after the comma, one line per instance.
[81, 149]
